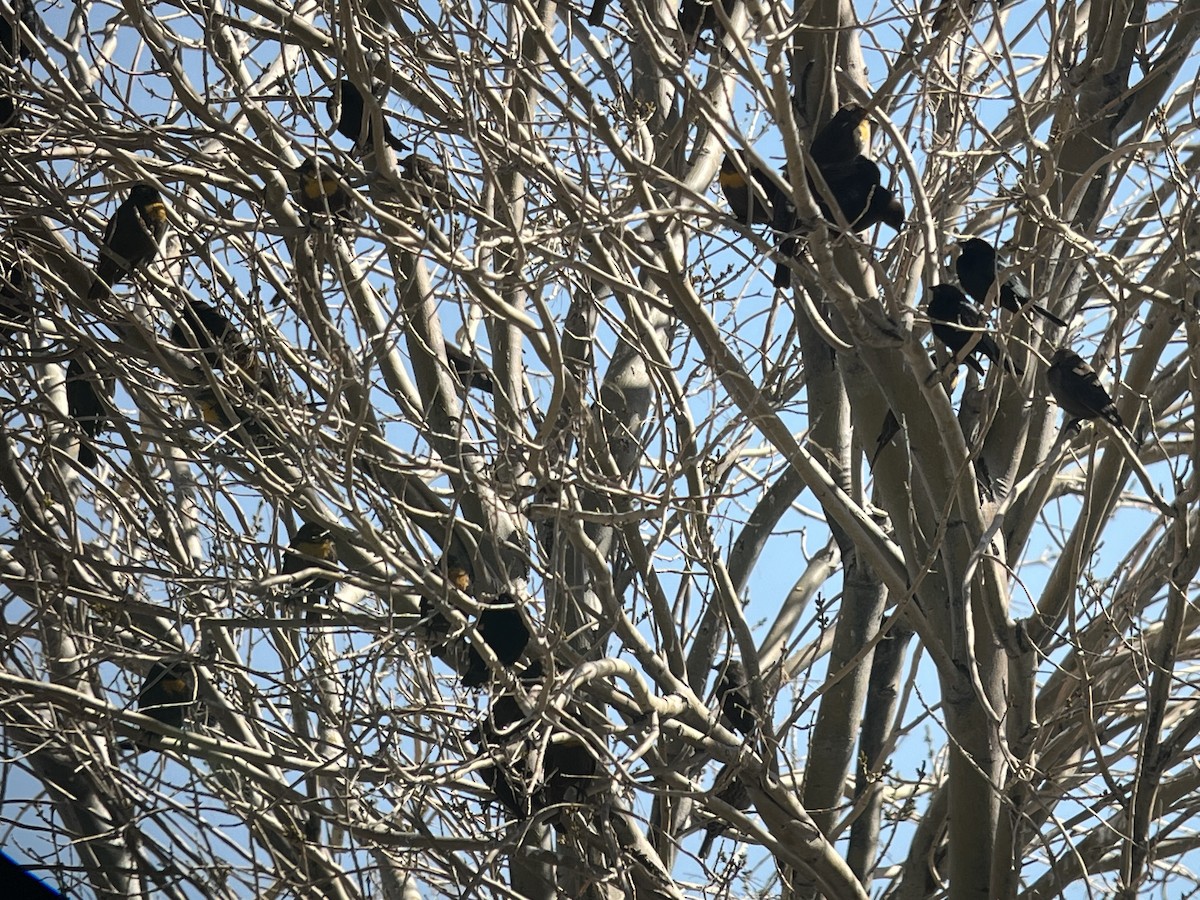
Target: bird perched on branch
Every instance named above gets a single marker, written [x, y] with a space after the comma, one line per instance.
[322, 190]
[732, 691]
[844, 137]
[956, 323]
[11, 47]
[698, 16]
[353, 121]
[471, 372]
[17, 295]
[312, 547]
[729, 789]
[1077, 388]
[978, 266]
[91, 387]
[202, 327]
[759, 201]
[168, 694]
[131, 238]
[502, 627]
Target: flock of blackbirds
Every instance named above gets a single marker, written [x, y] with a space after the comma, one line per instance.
[848, 189]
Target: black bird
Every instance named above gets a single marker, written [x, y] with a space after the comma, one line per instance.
[843, 138]
[168, 694]
[90, 393]
[8, 111]
[750, 207]
[429, 181]
[766, 204]
[470, 371]
[502, 628]
[729, 789]
[17, 293]
[572, 775]
[131, 238]
[457, 571]
[1077, 388]
[26, 13]
[321, 190]
[734, 696]
[860, 196]
[209, 331]
[977, 266]
[353, 121]
[956, 323]
[698, 16]
[312, 547]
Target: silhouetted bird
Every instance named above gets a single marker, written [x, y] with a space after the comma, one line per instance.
[8, 111]
[470, 371]
[729, 789]
[428, 181]
[1077, 388]
[572, 776]
[750, 207]
[27, 13]
[354, 123]
[90, 393]
[17, 293]
[312, 547]
[168, 694]
[977, 266]
[322, 190]
[766, 204]
[502, 628]
[955, 322]
[698, 16]
[131, 238]
[846, 136]
[209, 331]
[863, 201]
[734, 696]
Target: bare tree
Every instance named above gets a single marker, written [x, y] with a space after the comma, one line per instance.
[450, 437]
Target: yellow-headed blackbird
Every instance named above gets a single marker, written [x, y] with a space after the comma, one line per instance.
[470, 372]
[1077, 388]
[502, 628]
[90, 393]
[167, 695]
[131, 238]
[311, 548]
[10, 45]
[17, 294]
[750, 207]
[17, 881]
[846, 136]
[734, 696]
[202, 327]
[731, 790]
[955, 322]
[977, 266]
[354, 123]
[8, 111]
[321, 190]
[767, 204]
[457, 571]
